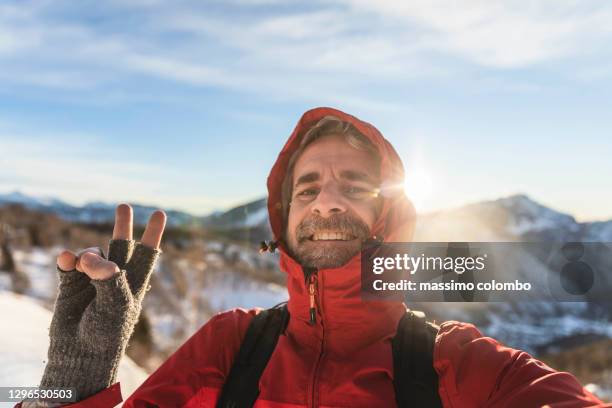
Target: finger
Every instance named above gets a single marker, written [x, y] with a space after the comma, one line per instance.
[96, 267]
[73, 285]
[124, 220]
[66, 260]
[93, 250]
[154, 230]
[120, 251]
[113, 298]
[75, 293]
[140, 267]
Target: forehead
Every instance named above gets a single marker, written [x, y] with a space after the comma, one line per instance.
[334, 151]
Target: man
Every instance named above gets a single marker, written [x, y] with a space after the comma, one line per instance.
[333, 186]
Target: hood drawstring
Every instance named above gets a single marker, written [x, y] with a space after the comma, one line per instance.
[372, 245]
[374, 240]
[269, 246]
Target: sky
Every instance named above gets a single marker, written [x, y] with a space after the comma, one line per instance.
[186, 104]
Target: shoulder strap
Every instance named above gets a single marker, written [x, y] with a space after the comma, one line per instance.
[242, 385]
[415, 380]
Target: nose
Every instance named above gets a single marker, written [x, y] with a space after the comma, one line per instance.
[329, 201]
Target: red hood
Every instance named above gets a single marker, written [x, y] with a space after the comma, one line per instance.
[396, 221]
[339, 289]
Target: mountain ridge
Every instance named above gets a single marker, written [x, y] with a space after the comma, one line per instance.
[523, 215]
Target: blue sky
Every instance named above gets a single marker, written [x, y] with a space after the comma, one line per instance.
[185, 104]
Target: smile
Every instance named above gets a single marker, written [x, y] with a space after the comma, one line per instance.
[331, 236]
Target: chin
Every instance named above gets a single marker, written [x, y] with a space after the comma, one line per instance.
[326, 255]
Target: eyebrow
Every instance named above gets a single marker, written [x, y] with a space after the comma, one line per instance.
[307, 178]
[351, 175]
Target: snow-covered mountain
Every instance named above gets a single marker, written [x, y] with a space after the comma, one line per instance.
[514, 218]
[509, 219]
[245, 223]
[94, 212]
[249, 215]
[29, 201]
[249, 220]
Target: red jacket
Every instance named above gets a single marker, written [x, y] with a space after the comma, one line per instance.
[345, 359]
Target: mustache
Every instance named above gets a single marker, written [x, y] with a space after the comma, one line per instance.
[343, 223]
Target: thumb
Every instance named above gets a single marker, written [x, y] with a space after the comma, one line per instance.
[97, 267]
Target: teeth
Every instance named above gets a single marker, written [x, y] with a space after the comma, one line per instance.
[331, 236]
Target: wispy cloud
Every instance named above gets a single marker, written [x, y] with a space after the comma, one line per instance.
[310, 51]
[504, 34]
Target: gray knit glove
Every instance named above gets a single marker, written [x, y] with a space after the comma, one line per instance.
[94, 319]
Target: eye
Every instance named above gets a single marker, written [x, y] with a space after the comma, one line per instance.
[307, 193]
[359, 193]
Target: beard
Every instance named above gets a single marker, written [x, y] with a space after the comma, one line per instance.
[324, 254]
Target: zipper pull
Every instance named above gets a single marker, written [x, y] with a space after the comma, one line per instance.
[311, 292]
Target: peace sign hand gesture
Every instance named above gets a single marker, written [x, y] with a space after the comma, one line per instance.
[98, 305]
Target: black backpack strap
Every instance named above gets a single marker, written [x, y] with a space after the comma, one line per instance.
[414, 378]
[241, 388]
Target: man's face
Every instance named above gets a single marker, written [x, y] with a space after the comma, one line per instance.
[333, 203]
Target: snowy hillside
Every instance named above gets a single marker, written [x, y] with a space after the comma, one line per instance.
[534, 326]
[250, 215]
[508, 219]
[186, 290]
[525, 215]
[23, 353]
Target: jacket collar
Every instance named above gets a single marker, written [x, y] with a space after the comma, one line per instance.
[352, 321]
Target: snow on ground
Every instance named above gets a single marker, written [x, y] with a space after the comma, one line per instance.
[175, 318]
[39, 265]
[5, 281]
[256, 218]
[541, 323]
[23, 353]
[603, 392]
[229, 293]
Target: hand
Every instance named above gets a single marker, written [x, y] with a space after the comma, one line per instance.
[98, 304]
[90, 260]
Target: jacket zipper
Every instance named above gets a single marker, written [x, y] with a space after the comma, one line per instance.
[314, 294]
[311, 293]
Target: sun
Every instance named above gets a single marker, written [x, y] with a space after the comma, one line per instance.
[419, 187]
